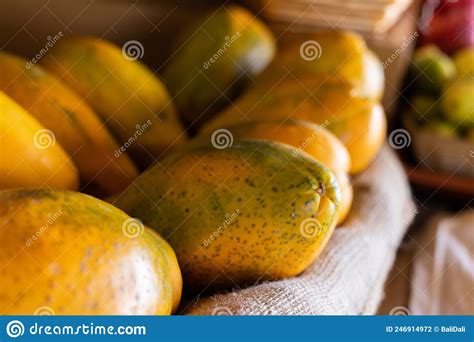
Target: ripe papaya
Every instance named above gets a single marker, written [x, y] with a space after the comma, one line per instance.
[131, 100]
[84, 257]
[313, 139]
[215, 59]
[337, 55]
[359, 123]
[236, 215]
[75, 126]
[29, 153]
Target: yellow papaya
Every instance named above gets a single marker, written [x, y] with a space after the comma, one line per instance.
[75, 126]
[337, 55]
[359, 123]
[236, 215]
[310, 138]
[130, 99]
[215, 59]
[29, 153]
[90, 258]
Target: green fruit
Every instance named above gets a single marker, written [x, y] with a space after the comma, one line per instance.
[217, 59]
[442, 128]
[250, 211]
[458, 102]
[464, 61]
[431, 69]
[424, 108]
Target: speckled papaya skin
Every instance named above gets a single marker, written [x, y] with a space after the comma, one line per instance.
[201, 83]
[68, 252]
[125, 93]
[307, 137]
[337, 55]
[238, 215]
[75, 126]
[359, 123]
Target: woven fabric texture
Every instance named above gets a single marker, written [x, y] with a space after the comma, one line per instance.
[348, 277]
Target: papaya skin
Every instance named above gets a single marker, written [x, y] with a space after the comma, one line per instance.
[76, 127]
[359, 123]
[337, 55]
[127, 95]
[215, 60]
[313, 139]
[73, 249]
[237, 216]
[26, 158]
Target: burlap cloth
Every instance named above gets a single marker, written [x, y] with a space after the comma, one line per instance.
[349, 276]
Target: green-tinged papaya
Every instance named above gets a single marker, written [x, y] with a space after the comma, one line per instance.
[128, 96]
[215, 59]
[238, 212]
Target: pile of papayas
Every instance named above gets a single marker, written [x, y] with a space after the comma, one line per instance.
[248, 147]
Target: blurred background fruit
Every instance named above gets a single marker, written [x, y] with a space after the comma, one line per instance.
[339, 55]
[358, 122]
[448, 24]
[457, 102]
[215, 59]
[30, 155]
[431, 69]
[73, 123]
[130, 99]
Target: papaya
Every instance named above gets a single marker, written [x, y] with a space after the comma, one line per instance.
[249, 212]
[215, 59]
[310, 138]
[338, 55]
[29, 153]
[359, 123]
[75, 126]
[127, 95]
[84, 257]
